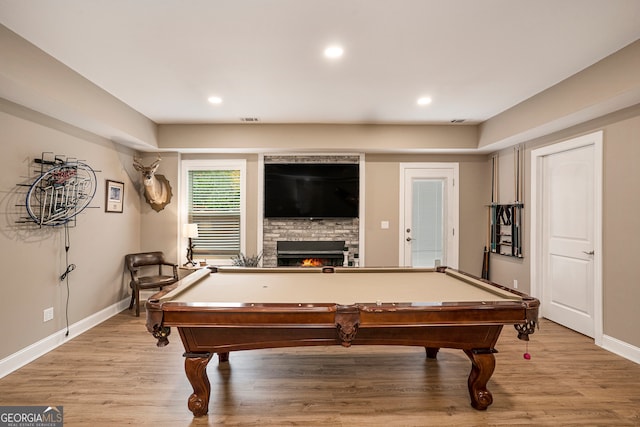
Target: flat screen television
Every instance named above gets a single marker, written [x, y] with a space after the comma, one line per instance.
[311, 190]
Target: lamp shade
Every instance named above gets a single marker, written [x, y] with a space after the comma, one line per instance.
[190, 230]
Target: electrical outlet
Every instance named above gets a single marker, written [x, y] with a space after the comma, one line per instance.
[515, 283]
[48, 314]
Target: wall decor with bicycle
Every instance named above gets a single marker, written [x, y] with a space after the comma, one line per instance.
[62, 188]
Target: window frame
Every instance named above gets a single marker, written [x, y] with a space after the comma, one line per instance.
[212, 164]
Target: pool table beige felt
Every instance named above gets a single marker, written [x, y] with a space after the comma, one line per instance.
[220, 310]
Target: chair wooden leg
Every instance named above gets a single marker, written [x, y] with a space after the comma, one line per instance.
[133, 298]
[137, 292]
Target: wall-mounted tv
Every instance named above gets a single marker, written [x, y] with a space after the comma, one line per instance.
[311, 190]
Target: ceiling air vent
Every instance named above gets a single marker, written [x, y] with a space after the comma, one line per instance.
[457, 120]
[249, 119]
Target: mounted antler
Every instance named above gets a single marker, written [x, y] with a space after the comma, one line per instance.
[157, 189]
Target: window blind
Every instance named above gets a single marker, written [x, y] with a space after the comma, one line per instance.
[214, 204]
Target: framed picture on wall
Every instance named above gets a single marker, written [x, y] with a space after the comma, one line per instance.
[114, 196]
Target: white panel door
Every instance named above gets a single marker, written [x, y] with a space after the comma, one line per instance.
[568, 206]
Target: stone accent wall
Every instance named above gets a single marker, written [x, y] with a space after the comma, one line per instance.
[303, 229]
[347, 158]
[275, 229]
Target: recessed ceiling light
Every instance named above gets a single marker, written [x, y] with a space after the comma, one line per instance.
[425, 100]
[333, 52]
[215, 100]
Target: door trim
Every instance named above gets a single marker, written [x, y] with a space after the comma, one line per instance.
[537, 156]
[453, 209]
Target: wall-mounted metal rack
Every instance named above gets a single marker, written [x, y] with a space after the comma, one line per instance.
[506, 229]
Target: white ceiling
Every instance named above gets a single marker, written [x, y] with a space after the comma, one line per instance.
[474, 58]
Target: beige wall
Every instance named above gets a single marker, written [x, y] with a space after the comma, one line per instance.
[317, 138]
[31, 78]
[33, 258]
[607, 86]
[621, 228]
[160, 230]
[382, 182]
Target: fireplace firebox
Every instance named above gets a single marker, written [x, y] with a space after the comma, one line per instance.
[305, 253]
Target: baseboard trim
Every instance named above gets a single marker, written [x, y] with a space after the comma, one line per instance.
[621, 348]
[28, 354]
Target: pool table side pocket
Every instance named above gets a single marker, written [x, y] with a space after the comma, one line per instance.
[154, 322]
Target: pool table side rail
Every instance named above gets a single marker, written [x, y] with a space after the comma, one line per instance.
[485, 284]
[371, 315]
[170, 292]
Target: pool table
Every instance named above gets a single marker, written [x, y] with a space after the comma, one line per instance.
[219, 310]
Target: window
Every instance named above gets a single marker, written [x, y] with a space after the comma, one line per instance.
[214, 199]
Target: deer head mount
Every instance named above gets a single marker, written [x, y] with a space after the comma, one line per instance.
[157, 190]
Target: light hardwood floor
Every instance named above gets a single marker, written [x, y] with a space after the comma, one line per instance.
[114, 375]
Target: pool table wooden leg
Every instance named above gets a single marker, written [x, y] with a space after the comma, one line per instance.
[432, 352]
[483, 363]
[195, 365]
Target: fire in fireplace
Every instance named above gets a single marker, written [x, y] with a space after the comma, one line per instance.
[313, 262]
[306, 253]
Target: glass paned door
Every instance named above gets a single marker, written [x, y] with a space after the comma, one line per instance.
[429, 214]
[427, 234]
